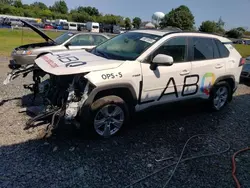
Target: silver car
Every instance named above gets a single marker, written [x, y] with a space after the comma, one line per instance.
[26, 54]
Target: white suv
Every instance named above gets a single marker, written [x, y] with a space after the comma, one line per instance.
[101, 88]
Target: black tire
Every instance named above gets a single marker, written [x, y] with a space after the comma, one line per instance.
[218, 86]
[87, 122]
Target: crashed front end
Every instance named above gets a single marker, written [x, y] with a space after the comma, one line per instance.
[62, 95]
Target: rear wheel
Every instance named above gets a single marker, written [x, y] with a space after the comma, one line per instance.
[107, 117]
[220, 95]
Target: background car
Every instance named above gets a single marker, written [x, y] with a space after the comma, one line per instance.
[48, 26]
[245, 74]
[26, 54]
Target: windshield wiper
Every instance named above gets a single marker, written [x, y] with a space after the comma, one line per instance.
[102, 54]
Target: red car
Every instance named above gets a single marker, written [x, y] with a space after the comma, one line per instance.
[48, 26]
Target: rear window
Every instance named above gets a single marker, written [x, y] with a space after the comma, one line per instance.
[72, 25]
[95, 27]
[224, 52]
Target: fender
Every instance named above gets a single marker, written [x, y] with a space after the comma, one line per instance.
[96, 90]
[224, 78]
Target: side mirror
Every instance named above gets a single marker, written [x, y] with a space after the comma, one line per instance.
[67, 45]
[161, 60]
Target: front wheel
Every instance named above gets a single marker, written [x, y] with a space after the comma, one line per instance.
[107, 116]
[220, 95]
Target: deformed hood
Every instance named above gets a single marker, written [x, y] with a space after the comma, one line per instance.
[74, 62]
[38, 31]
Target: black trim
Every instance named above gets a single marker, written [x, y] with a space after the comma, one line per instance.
[140, 93]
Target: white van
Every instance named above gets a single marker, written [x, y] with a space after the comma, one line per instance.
[93, 27]
[72, 26]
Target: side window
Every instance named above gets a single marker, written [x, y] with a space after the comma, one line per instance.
[203, 48]
[175, 47]
[82, 40]
[222, 49]
[99, 39]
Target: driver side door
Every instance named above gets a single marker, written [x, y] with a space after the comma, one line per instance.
[166, 83]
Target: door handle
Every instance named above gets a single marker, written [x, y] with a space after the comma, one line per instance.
[218, 66]
[184, 72]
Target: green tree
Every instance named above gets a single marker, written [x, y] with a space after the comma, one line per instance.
[60, 6]
[180, 17]
[18, 4]
[8, 2]
[220, 26]
[241, 29]
[92, 11]
[127, 23]
[137, 22]
[208, 27]
[39, 5]
[81, 17]
[234, 33]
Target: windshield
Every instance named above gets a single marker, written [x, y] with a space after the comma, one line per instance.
[62, 38]
[127, 46]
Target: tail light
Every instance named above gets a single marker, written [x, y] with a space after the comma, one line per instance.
[242, 61]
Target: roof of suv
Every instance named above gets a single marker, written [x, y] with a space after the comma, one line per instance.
[165, 32]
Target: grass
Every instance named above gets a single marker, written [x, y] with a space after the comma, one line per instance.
[10, 39]
[244, 50]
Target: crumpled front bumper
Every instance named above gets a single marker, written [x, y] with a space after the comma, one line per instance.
[17, 71]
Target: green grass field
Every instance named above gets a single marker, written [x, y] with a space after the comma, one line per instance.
[10, 39]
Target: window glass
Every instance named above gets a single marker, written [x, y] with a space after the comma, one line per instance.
[127, 46]
[222, 49]
[62, 38]
[99, 39]
[82, 40]
[203, 48]
[176, 47]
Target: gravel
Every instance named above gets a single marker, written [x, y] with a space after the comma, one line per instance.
[68, 160]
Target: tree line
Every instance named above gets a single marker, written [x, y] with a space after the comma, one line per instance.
[60, 10]
[180, 17]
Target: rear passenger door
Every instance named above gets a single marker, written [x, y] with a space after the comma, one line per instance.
[206, 63]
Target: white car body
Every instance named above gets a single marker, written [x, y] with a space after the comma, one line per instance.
[183, 80]
[98, 89]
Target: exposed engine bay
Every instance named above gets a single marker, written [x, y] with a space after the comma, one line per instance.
[62, 96]
[34, 45]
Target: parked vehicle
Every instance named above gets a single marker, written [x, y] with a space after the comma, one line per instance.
[26, 54]
[48, 26]
[245, 74]
[72, 26]
[81, 27]
[93, 27]
[99, 89]
[116, 29]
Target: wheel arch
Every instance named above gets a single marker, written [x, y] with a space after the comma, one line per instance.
[122, 90]
[230, 79]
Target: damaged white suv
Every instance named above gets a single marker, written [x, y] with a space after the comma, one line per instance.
[101, 88]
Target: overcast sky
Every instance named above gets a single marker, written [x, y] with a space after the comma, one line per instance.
[232, 12]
